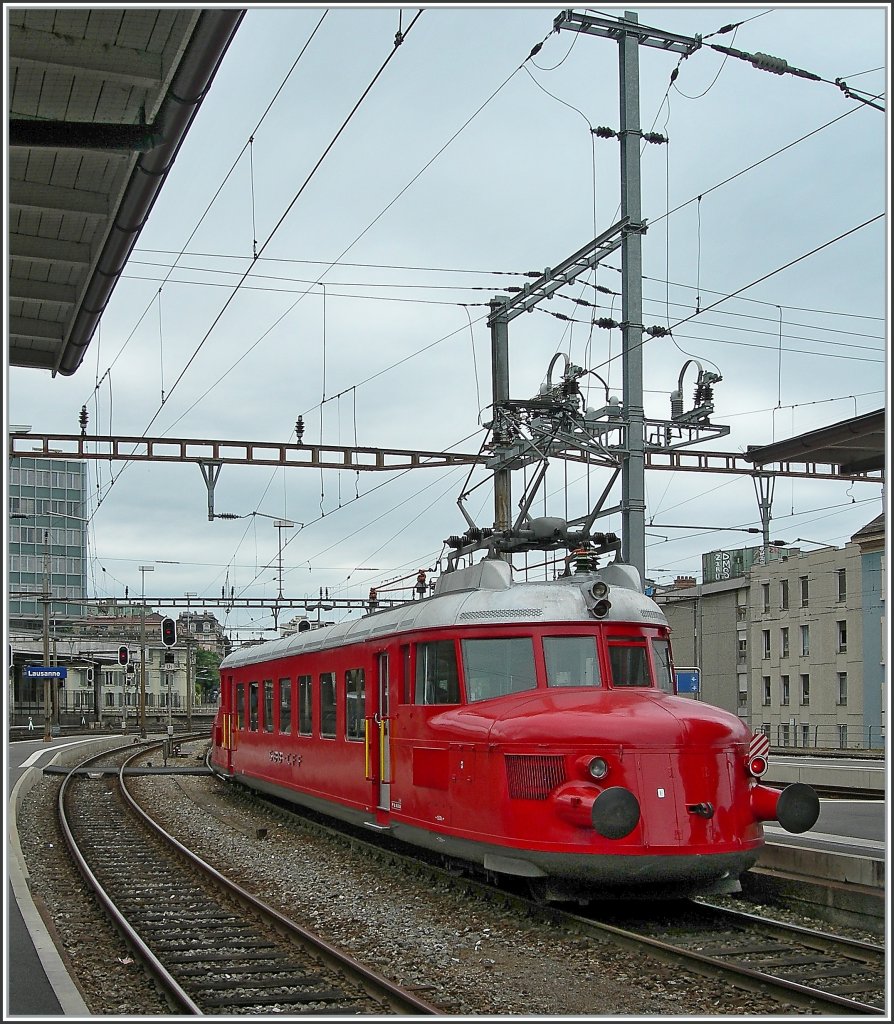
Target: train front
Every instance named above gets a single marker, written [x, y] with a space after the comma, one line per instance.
[608, 782]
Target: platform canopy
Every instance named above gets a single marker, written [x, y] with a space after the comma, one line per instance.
[855, 445]
[99, 102]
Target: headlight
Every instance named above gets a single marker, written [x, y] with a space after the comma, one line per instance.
[599, 589]
[601, 609]
[597, 768]
[757, 765]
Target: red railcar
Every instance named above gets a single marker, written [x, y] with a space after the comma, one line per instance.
[531, 729]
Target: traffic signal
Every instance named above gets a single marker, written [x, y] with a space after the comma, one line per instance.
[168, 632]
[123, 655]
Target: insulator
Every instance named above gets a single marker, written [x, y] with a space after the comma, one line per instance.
[657, 331]
[299, 428]
[775, 65]
[82, 419]
[454, 542]
[604, 133]
[607, 322]
[676, 405]
[654, 137]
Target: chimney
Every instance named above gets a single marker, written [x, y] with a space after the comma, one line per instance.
[681, 582]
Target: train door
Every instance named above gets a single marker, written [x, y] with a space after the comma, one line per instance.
[382, 719]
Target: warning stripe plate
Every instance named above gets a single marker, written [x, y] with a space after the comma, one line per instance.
[760, 745]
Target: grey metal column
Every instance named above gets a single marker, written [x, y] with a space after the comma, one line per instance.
[633, 477]
[499, 340]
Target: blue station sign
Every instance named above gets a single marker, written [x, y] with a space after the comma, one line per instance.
[45, 672]
[688, 680]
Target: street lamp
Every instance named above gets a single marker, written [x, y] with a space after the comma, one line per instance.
[143, 570]
[187, 638]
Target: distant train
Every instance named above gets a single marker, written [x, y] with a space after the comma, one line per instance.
[528, 728]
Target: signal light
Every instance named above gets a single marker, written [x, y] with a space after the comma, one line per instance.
[601, 609]
[123, 655]
[168, 632]
[757, 765]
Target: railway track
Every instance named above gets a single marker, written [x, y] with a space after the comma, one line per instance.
[801, 967]
[808, 969]
[208, 944]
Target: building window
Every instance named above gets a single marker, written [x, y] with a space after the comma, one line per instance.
[783, 642]
[784, 690]
[765, 597]
[766, 682]
[842, 637]
[765, 641]
[743, 698]
[783, 735]
[783, 594]
[805, 690]
[805, 641]
[805, 591]
[842, 737]
[842, 689]
[842, 584]
[805, 735]
[743, 648]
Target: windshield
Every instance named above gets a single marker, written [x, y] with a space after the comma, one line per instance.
[630, 665]
[571, 661]
[494, 668]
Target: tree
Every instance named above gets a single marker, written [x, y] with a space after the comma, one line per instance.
[207, 675]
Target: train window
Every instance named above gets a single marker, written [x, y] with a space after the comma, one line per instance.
[355, 703]
[662, 659]
[305, 720]
[285, 706]
[268, 705]
[437, 680]
[496, 667]
[327, 704]
[240, 705]
[571, 661]
[253, 707]
[630, 666]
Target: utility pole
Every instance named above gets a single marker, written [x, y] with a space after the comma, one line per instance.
[189, 685]
[630, 35]
[143, 570]
[47, 683]
[499, 332]
[633, 477]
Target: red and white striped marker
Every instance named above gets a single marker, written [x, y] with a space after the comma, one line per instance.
[758, 750]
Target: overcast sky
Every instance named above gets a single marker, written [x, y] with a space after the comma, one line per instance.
[466, 165]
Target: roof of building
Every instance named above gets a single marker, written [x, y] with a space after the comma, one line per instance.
[855, 445]
[100, 100]
[872, 529]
